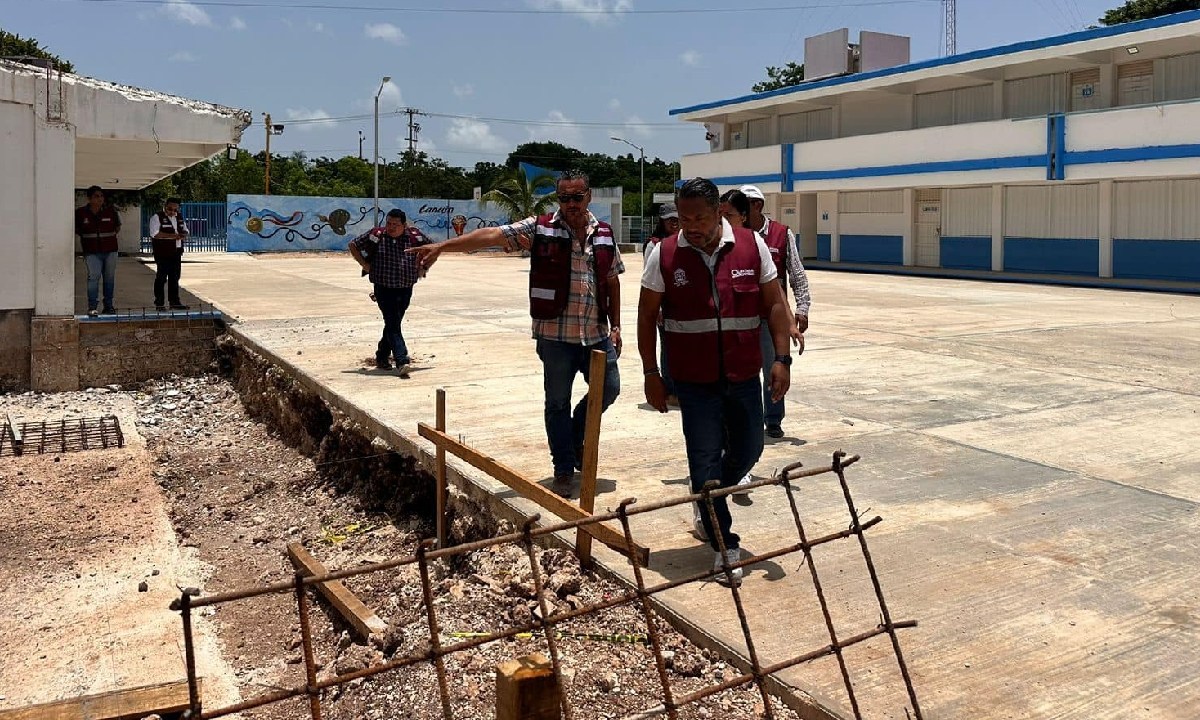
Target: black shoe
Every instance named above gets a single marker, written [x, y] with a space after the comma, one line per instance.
[774, 431]
[562, 485]
[110, 310]
[160, 307]
[383, 365]
[179, 306]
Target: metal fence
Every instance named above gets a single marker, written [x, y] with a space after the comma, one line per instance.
[206, 222]
[668, 703]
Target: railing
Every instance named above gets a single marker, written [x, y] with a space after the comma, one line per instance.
[206, 222]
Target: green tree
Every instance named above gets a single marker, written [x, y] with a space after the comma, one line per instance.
[781, 77]
[519, 197]
[1145, 9]
[550, 155]
[15, 46]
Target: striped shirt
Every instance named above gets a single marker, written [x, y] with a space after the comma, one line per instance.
[797, 277]
[580, 323]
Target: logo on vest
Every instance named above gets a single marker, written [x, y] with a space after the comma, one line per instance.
[680, 278]
[743, 273]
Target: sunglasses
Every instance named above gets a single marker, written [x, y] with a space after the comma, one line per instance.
[572, 197]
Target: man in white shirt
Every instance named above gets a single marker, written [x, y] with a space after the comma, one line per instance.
[168, 231]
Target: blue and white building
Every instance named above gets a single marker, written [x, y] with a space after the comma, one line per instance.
[1072, 155]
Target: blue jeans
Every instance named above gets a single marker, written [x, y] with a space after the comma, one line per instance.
[663, 371]
[722, 429]
[773, 412]
[393, 303]
[99, 264]
[564, 427]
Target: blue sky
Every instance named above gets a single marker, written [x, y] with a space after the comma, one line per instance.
[614, 69]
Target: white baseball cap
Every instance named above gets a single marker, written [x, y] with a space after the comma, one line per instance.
[752, 192]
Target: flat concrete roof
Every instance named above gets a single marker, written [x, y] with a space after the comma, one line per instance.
[1032, 450]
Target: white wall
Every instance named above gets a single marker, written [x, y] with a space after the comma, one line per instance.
[755, 161]
[54, 213]
[130, 239]
[16, 200]
[967, 212]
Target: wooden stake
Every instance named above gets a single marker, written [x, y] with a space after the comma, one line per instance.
[164, 699]
[530, 490]
[441, 471]
[526, 689]
[362, 618]
[591, 450]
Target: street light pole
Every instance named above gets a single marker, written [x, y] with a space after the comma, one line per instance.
[267, 175]
[641, 186]
[360, 142]
[386, 79]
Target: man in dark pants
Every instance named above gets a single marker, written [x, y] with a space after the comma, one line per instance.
[714, 284]
[168, 231]
[97, 226]
[575, 303]
[393, 272]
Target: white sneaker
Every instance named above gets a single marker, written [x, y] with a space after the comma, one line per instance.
[698, 524]
[731, 556]
[741, 486]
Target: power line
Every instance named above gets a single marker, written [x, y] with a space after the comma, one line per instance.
[508, 121]
[508, 11]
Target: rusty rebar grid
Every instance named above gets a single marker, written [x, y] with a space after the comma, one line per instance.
[64, 435]
[544, 623]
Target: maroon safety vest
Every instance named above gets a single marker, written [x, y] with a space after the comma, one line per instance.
[166, 247]
[97, 231]
[550, 268]
[777, 242]
[707, 340]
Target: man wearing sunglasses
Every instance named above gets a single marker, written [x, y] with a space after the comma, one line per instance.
[574, 295]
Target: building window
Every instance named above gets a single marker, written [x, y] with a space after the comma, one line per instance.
[1135, 83]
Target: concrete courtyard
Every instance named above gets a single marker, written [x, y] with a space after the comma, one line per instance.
[1031, 449]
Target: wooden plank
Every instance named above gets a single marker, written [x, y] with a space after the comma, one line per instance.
[441, 471]
[530, 490]
[526, 689]
[130, 704]
[14, 430]
[362, 618]
[591, 449]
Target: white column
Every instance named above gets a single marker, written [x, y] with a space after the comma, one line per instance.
[998, 228]
[909, 234]
[1106, 228]
[54, 218]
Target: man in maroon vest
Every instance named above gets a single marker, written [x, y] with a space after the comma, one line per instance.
[574, 293]
[714, 284]
[786, 254]
[97, 226]
[168, 231]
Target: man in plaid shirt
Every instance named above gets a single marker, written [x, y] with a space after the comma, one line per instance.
[393, 272]
[565, 342]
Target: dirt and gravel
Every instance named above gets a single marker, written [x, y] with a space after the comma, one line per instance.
[237, 491]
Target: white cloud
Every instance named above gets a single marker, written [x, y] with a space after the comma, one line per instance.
[316, 26]
[467, 134]
[183, 56]
[186, 12]
[634, 125]
[237, 23]
[614, 104]
[463, 91]
[390, 99]
[691, 58]
[594, 11]
[386, 32]
[564, 130]
[306, 114]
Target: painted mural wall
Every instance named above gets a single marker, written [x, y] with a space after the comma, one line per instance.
[282, 223]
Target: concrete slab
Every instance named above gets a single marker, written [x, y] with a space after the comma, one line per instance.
[1005, 445]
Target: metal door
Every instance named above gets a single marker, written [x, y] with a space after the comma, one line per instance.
[929, 228]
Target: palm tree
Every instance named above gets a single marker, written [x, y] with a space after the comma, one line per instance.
[519, 196]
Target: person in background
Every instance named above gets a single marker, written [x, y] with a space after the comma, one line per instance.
[668, 226]
[735, 208]
[168, 231]
[381, 252]
[97, 226]
[786, 254]
[713, 284]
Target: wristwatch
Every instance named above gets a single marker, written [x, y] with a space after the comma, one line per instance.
[784, 359]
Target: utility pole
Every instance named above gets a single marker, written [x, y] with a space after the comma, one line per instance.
[360, 143]
[267, 176]
[414, 128]
[950, 8]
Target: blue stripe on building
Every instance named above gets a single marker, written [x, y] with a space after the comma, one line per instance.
[1157, 259]
[966, 253]
[1052, 255]
[882, 249]
[824, 246]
